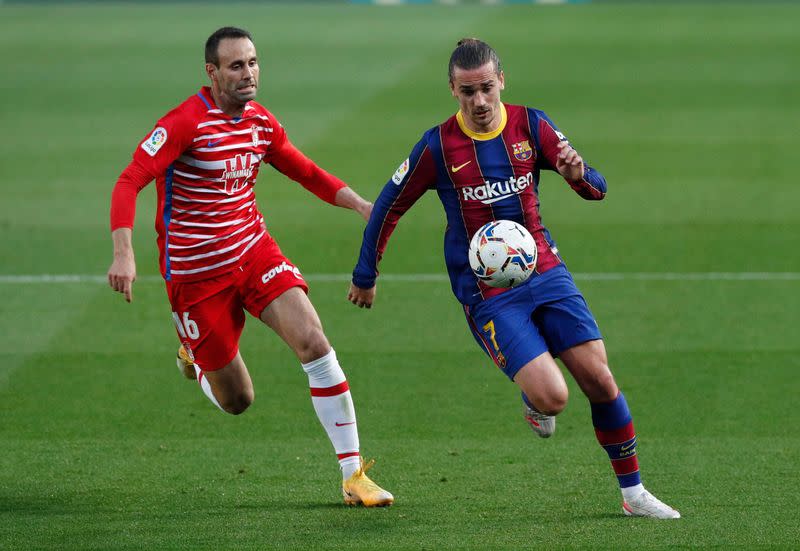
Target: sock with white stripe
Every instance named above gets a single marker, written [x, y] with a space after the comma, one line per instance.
[206, 386]
[330, 395]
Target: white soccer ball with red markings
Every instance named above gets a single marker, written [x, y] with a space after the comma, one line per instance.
[502, 254]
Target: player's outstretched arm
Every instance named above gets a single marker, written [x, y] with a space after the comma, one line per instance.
[346, 197]
[363, 298]
[412, 179]
[122, 272]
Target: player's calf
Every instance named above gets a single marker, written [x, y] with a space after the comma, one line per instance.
[229, 388]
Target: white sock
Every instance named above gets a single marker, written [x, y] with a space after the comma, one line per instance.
[632, 491]
[330, 395]
[349, 466]
[206, 386]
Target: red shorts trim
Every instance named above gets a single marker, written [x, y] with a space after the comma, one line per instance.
[209, 314]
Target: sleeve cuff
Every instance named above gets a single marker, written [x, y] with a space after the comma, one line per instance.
[363, 282]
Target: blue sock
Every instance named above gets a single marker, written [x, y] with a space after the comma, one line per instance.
[613, 426]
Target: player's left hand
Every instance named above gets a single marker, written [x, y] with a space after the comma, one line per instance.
[569, 164]
[363, 298]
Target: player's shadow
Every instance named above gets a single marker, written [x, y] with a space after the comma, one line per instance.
[607, 516]
[298, 506]
[47, 505]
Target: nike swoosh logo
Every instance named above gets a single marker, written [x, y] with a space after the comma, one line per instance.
[212, 144]
[459, 167]
[626, 448]
[338, 424]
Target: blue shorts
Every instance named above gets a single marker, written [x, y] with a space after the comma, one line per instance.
[546, 313]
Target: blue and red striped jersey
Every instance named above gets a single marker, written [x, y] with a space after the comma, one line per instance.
[479, 178]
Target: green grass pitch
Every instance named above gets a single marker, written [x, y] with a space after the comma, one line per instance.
[689, 110]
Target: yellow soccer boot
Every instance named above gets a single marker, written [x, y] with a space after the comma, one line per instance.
[360, 489]
[186, 364]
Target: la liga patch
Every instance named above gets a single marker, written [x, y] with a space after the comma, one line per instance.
[155, 140]
[402, 170]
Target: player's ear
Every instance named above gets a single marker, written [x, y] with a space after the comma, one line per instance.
[211, 71]
[452, 89]
[502, 79]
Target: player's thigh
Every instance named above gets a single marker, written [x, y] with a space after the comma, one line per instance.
[566, 322]
[588, 364]
[503, 328]
[294, 319]
[208, 319]
[273, 290]
[572, 334]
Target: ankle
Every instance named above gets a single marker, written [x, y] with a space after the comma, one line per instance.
[632, 491]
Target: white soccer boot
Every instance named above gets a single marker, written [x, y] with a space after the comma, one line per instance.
[542, 424]
[648, 505]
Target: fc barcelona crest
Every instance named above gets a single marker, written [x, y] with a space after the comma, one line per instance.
[522, 150]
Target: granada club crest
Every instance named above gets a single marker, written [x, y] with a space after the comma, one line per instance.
[254, 135]
[522, 150]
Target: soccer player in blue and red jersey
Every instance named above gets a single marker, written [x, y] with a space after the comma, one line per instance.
[484, 163]
[217, 257]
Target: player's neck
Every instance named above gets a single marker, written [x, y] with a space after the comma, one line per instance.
[226, 104]
[482, 129]
[486, 131]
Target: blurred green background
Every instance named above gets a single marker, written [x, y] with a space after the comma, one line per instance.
[689, 110]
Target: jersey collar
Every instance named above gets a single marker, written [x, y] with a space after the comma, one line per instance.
[483, 136]
[208, 98]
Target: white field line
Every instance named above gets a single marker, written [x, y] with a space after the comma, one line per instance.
[589, 276]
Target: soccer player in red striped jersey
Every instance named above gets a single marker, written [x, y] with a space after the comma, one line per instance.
[216, 255]
[484, 163]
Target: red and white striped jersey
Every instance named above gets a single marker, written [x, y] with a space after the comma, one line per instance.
[205, 164]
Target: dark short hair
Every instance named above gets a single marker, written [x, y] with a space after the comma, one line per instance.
[471, 53]
[212, 44]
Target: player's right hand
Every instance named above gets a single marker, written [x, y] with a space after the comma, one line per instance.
[568, 163]
[363, 298]
[122, 274]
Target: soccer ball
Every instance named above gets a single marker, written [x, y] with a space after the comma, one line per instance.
[502, 254]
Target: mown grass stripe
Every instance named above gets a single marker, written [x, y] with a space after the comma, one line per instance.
[586, 276]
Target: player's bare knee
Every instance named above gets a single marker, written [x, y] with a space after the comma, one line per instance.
[237, 403]
[554, 402]
[236, 407]
[601, 386]
[313, 346]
